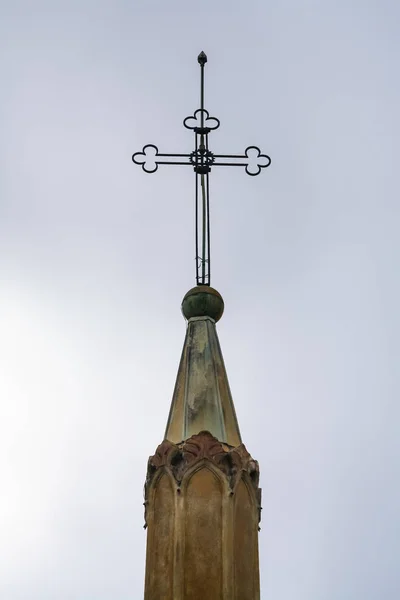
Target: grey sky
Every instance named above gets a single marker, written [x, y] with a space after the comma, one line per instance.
[96, 256]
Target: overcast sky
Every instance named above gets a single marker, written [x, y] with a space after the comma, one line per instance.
[95, 257]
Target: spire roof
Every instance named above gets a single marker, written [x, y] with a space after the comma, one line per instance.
[202, 399]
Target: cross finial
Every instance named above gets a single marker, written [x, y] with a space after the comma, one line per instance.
[202, 58]
[202, 160]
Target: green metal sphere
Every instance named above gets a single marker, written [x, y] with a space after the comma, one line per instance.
[203, 301]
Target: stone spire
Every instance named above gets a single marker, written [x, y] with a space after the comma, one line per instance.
[202, 500]
[202, 399]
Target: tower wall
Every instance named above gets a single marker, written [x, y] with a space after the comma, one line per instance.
[202, 512]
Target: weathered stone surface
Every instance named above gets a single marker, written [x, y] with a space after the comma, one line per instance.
[159, 581]
[179, 457]
[202, 398]
[202, 511]
[203, 564]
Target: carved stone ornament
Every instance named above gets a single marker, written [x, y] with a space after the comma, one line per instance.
[178, 458]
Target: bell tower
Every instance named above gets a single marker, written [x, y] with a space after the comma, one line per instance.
[202, 498]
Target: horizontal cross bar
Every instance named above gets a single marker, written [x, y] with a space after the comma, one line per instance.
[252, 159]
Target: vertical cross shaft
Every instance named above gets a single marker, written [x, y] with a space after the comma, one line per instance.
[203, 260]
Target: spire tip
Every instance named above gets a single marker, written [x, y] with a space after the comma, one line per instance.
[202, 59]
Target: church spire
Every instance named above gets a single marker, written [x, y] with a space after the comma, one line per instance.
[202, 399]
[202, 500]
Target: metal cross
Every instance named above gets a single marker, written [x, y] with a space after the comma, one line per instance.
[202, 160]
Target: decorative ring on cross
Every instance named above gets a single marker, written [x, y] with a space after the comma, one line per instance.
[201, 157]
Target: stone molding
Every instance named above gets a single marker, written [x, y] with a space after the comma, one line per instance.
[178, 459]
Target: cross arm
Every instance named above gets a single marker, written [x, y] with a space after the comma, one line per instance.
[252, 160]
[150, 158]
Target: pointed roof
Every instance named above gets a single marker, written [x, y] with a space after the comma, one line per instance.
[202, 399]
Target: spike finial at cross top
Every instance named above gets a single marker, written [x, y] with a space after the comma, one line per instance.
[202, 160]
